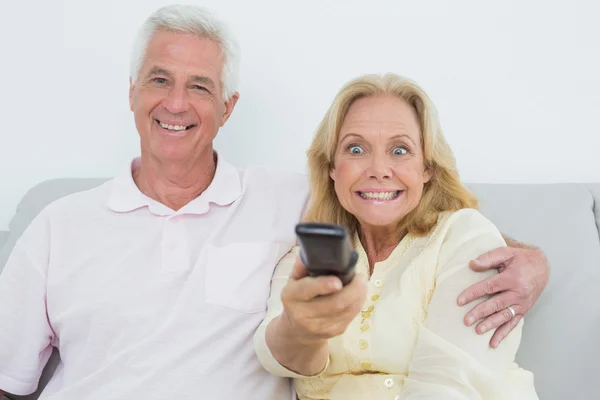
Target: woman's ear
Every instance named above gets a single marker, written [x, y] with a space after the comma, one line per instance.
[427, 175]
[332, 173]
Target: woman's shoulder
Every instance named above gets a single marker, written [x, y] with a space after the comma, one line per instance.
[465, 220]
[461, 225]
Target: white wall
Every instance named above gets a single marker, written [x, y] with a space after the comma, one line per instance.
[517, 83]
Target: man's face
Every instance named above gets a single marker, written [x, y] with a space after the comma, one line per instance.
[177, 100]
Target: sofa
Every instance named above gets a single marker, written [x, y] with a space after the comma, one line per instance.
[561, 337]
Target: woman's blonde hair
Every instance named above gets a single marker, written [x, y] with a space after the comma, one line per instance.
[443, 192]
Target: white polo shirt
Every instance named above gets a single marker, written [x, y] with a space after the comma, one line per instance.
[144, 302]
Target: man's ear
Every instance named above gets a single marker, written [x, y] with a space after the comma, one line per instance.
[229, 106]
[131, 87]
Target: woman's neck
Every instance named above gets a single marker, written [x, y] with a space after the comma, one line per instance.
[378, 243]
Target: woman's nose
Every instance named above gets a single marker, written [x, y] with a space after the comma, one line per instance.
[379, 168]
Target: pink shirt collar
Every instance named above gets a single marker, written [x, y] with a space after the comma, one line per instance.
[224, 189]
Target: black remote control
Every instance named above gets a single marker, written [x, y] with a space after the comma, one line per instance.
[325, 249]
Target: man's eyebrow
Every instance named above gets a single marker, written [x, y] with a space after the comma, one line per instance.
[159, 71]
[202, 79]
[194, 78]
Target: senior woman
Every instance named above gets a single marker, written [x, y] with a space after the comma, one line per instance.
[380, 166]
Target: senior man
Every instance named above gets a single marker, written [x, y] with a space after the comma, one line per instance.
[152, 285]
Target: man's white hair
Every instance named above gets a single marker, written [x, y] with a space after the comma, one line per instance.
[192, 20]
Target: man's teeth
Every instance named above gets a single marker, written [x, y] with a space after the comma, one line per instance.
[173, 127]
[379, 195]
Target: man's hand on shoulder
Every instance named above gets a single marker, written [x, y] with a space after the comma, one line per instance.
[524, 273]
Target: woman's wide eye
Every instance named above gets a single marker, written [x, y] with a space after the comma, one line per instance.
[400, 151]
[355, 149]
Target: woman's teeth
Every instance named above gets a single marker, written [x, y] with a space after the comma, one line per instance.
[379, 195]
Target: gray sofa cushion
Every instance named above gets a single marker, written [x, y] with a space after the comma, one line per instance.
[560, 339]
[595, 191]
[3, 239]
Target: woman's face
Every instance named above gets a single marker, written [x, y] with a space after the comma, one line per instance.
[379, 170]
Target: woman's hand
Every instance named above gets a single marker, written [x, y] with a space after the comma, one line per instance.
[315, 309]
[319, 308]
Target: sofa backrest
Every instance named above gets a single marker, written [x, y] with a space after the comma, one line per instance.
[559, 342]
[560, 338]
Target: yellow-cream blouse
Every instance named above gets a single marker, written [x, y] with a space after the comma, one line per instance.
[410, 342]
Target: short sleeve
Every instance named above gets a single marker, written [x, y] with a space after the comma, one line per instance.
[25, 334]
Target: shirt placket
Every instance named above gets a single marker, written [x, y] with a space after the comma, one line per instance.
[376, 284]
[175, 249]
[366, 322]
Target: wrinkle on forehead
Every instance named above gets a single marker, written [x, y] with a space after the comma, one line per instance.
[379, 116]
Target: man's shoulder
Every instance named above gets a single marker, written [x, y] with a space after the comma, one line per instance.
[82, 197]
[275, 195]
[274, 179]
[52, 204]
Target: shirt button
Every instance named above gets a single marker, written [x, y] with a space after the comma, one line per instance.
[365, 365]
[365, 314]
[375, 297]
[378, 283]
[363, 344]
[388, 383]
[364, 328]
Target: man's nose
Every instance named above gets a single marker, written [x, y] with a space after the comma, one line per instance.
[177, 100]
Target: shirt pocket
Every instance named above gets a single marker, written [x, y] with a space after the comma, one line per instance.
[238, 275]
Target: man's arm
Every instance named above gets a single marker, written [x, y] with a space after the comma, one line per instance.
[25, 333]
[524, 273]
[510, 242]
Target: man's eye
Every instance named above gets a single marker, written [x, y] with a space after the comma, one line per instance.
[198, 87]
[160, 80]
[400, 151]
[355, 149]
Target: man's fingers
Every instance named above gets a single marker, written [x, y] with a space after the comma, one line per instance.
[494, 284]
[489, 307]
[502, 332]
[492, 259]
[497, 319]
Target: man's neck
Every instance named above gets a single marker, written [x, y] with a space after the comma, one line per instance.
[175, 184]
